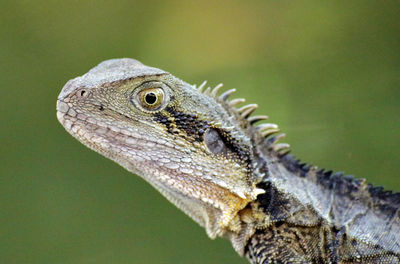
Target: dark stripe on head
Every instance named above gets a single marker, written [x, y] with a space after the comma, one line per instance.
[217, 140]
[189, 124]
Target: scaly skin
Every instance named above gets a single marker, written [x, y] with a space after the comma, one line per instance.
[232, 177]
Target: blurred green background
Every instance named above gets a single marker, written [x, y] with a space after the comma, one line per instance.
[328, 73]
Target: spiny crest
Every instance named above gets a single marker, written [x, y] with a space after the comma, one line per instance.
[346, 184]
[245, 112]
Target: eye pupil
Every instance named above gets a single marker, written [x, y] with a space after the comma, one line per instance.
[150, 98]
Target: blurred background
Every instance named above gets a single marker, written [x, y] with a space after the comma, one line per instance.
[327, 73]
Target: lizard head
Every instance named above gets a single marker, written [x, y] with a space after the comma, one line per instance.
[190, 145]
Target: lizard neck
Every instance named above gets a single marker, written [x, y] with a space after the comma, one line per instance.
[304, 210]
[277, 204]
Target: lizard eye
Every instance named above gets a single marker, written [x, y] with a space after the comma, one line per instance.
[150, 96]
[151, 99]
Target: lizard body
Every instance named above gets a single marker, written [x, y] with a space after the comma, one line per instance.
[228, 174]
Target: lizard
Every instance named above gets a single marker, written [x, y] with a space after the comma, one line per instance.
[227, 169]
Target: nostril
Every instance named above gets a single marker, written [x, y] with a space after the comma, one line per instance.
[82, 93]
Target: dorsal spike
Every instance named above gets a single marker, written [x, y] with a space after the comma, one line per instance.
[201, 86]
[284, 152]
[253, 119]
[214, 92]
[229, 128]
[235, 102]
[305, 167]
[207, 91]
[267, 126]
[246, 110]
[280, 146]
[279, 137]
[266, 133]
[226, 94]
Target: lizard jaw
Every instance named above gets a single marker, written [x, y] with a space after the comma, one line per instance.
[227, 202]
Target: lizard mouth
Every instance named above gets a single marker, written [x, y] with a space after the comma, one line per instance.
[90, 130]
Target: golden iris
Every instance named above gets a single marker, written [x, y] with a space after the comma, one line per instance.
[152, 98]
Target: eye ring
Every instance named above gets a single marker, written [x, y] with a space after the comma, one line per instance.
[150, 96]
